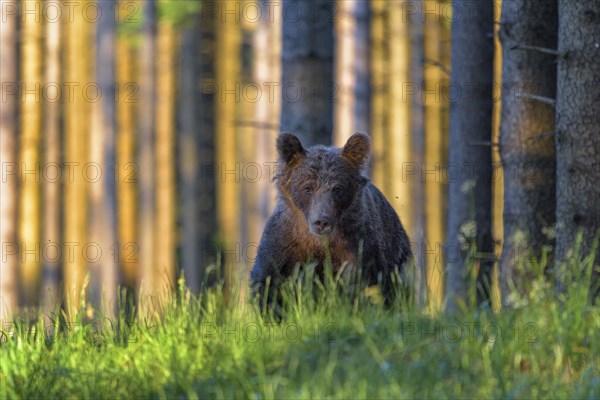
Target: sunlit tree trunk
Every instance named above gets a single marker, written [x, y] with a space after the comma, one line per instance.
[379, 93]
[127, 169]
[146, 162]
[528, 152]
[30, 144]
[50, 296]
[261, 156]
[435, 148]
[267, 70]
[227, 72]
[77, 124]
[398, 139]
[247, 148]
[352, 70]
[446, 61]
[469, 241]
[308, 92]
[99, 249]
[10, 169]
[497, 183]
[165, 165]
[578, 136]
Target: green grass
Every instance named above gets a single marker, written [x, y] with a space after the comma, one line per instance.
[546, 347]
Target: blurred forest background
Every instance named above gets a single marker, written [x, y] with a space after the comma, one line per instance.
[138, 137]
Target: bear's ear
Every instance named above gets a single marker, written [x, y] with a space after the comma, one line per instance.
[289, 147]
[356, 150]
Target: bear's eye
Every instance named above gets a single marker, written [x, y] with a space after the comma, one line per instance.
[338, 191]
[307, 189]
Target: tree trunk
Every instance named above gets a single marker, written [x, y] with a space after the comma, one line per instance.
[189, 154]
[528, 155]
[266, 70]
[497, 181]
[30, 138]
[578, 135]
[435, 145]
[308, 90]
[398, 137]
[196, 150]
[352, 70]
[103, 224]
[10, 169]
[146, 161]
[379, 65]
[50, 296]
[227, 71]
[247, 150]
[76, 148]
[207, 214]
[417, 115]
[127, 168]
[165, 165]
[469, 170]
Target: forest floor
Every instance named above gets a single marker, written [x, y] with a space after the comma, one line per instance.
[544, 347]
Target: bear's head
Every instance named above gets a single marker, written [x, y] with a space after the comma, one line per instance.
[322, 182]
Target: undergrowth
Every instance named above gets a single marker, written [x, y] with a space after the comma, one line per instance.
[326, 345]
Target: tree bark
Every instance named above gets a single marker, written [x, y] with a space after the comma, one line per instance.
[497, 181]
[103, 223]
[146, 161]
[469, 171]
[247, 146]
[398, 189]
[578, 136]
[379, 65]
[128, 170]
[165, 165]
[417, 116]
[207, 201]
[10, 169]
[307, 85]
[352, 70]
[528, 160]
[196, 149]
[189, 162]
[266, 69]
[51, 231]
[435, 152]
[207, 140]
[30, 146]
[227, 72]
[77, 123]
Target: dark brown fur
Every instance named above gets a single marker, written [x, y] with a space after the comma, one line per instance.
[325, 188]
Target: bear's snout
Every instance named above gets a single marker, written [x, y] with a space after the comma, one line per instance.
[321, 226]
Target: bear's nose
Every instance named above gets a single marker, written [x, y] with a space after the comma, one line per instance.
[322, 226]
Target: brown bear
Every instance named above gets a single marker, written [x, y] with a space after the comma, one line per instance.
[329, 213]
